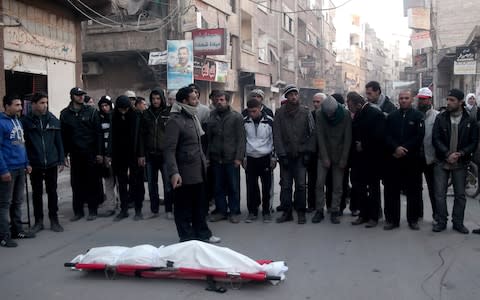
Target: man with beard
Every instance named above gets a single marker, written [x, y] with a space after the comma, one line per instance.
[405, 131]
[455, 138]
[151, 139]
[226, 151]
[186, 168]
[368, 134]
[294, 141]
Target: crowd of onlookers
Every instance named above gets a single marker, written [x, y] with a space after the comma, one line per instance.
[331, 156]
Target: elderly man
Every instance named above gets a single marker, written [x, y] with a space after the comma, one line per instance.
[186, 167]
[294, 141]
[455, 138]
[334, 136]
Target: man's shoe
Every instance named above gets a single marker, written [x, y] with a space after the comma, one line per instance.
[91, 217]
[138, 216]
[76, 218]
[56, 227]
[217, 217]
[334, 218]
[214, 240]
[107, 213]
[476, 231]
[235, 219]
[461, 228]
[414, 226]
[390, 226]
[251, 218]
[359, 221]
[37, 227]
[318, 217]
[439, 227]
[301, 219]
[371, 224]
[280, 208]
[23, 235]
[170, 215]
[8, 243]
[267, 218]
[122, 215]
[285, 217]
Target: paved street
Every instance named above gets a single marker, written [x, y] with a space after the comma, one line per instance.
[325, 261]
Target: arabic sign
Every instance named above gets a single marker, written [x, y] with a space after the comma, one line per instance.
[465, 63]
[209, 41]
[157, 58]
[421, 40]
[179, 64]
[419, 18]
[210, 70]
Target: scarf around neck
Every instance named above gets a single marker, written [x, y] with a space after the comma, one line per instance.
[191, 111]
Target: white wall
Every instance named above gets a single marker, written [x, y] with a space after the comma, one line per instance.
[61, 78]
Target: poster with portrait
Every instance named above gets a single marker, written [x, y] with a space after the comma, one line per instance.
[179, 63]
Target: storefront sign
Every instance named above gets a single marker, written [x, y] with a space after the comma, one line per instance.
[465, 63]
[209, 41]
[210, 70]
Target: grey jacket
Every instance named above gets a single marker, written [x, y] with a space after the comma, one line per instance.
[293, 135]
[183, 149]
[334, 141]
[226, 136]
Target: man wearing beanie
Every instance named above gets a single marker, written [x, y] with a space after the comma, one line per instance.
[82, 136]
[105, 108]
[151, 139]
[294, 141]
[334, 136]
[455, 138]
[259, 95]
[405, 130]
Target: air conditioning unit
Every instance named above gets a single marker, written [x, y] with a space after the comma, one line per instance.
[92, 68]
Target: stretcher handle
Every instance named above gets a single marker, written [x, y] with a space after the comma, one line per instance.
[274, 278]
[70, 265]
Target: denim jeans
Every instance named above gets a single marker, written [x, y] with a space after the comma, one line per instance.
[12, 194]
[441, 185]
[227, 184]
[296, 172]
[154, 165]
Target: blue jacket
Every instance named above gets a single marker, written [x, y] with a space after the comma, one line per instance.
[13, 154]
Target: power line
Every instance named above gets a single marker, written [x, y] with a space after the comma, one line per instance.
[299, 11]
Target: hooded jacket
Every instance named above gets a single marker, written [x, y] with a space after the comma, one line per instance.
[43, 140]
[152, 126]
[13, 154]
[123, 137]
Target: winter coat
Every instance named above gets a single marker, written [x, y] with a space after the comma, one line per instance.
[259, 137]
[405, 128]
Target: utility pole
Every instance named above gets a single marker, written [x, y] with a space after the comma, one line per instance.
[295, 42]
[433, 37]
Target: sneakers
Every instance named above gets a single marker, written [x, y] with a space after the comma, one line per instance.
[217, 217]
[235, 219]
[414, 226]
[170, 216]
[23, 235]
[285, 217]
[138, 216]
[56, 227]
[37, 227]
[371, 224]
[91, 217]
[76, 218]
[214, 240]
[267, 218]
[8, 243]
[460, 228]
[390, 226]
[251, 218]
[318, 217]
[122, 215]
[359, 221]
[301, 219]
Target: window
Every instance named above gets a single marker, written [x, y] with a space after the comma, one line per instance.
[287, 21]
[246, 33]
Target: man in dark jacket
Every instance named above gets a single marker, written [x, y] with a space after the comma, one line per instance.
[150, 149]
[186, 168]
[226, 151]
[405, 130]
[377, 99]
[123, 134]
[82, 140]
[455, 138]
[43, 141]
[294, 141]
[368, 135]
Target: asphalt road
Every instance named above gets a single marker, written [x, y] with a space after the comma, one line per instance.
[325, 261]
